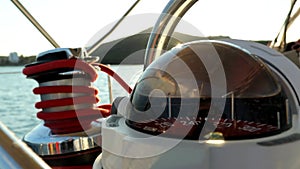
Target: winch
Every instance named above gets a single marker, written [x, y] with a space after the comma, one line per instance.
[70, 134]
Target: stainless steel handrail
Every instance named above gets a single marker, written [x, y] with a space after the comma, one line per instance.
[96, 45]
[34, 22]
[164, 28]
[279, 42]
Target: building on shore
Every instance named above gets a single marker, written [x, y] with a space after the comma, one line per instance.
[13, 58]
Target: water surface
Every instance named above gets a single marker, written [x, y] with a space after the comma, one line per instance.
[17, 100]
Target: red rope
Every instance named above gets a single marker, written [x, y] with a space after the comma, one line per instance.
[113, 74]
[73, 167]
[67, 101]
[69, 121]
[58, 64]
[65, 89]
[72, 114]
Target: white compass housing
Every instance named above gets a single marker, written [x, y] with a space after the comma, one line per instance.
[226, 104]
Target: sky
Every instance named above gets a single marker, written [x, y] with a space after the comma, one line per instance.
[76, 23]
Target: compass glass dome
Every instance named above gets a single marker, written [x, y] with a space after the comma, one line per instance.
[176, 95]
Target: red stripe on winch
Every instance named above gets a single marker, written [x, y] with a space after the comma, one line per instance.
[65, 89]
[67, 130]
[60, 124]
[58, 64]
[67, 102]
[70, 114]
[73, 167]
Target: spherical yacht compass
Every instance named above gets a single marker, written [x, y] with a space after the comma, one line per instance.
[208, 104]
[184, 89]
